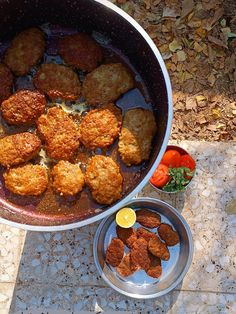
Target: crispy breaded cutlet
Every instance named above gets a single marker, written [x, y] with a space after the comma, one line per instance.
[100, 127]
[25, 50]
[23, 107]
[137, 132]
[80, 51]
[68, 178]
[107, 83]
[115, 252]
[59, 132]
[155, 269]
[144, 233]
[148, 218]
[168, 235]
[57, 81]
[104, 179]
[139, 254]
[26, 180]
[126, 267]
[6, 82]
[159, 248]
[18, 148]
[127, 235]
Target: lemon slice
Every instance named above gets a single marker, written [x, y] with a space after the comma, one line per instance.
[126, 217]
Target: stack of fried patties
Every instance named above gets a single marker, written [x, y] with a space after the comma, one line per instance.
[147, 248]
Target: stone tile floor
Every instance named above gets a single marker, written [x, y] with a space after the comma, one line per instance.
[55, 271]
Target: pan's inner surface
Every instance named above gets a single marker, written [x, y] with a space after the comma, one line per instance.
[50, 208]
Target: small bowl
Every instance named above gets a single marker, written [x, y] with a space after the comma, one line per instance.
[182, 152]
[140, 285]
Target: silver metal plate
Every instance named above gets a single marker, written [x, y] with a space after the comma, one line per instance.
[140, 285]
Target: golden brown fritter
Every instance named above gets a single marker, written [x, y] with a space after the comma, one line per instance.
[115, 252]
[23, 107]
[100, 127]
[148, 218]
[18, 148]
[137, 132]
[126, 267]
[6, 82]
[168, 235]
[107, 83]
[104, 179]
[59, 132]
[145, 234]
[26, 180]
[68, 178]
[80, 51]
[155, 269]
[57, 81]
[159, 248]
[139, 253]
[127, 235]
[26, 49]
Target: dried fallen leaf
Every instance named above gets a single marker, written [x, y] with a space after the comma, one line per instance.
[200, 32]
[200, 98]
[216, 113]
[217, 41]
[187, 7]
[174, 46]
[166, 55]
[202, 120]
[211, 21]
[169, 13]
[181, 56]
[190, 103]
[211, 79]
[197, 47]
[220, 125]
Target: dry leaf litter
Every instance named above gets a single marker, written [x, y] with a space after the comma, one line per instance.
[197, 40]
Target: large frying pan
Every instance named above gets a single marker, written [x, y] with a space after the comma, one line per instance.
[129, 38]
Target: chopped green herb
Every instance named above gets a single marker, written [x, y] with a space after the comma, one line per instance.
[180, 177]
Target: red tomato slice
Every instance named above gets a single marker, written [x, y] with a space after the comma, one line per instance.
[161, 176]
[171, 158]
[188, 162]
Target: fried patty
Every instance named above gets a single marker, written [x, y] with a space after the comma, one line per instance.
[23, 107]
[68, 178]
[6, 82]
[145, 234]
[25, 50]
[115, 252]
[59, 132]
[155, 269]
[18, 148]
[80, 51]
[127, 235]
[57, 81]
[137, 132]
[104, 179]
[126, 267]
[139, 254]
[26, 180]
[100, 127]
[148, 218]
[168, 235]
[158, 248]
[107, 83]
